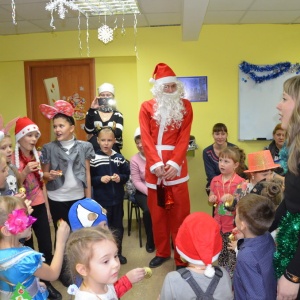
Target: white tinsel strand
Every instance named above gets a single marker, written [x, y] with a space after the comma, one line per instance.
[59, 6]
[52, 21]
[13, 11]
[87, 36]
[135, 36]
[79, 35]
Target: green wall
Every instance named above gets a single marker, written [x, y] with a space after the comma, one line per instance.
[216, 54]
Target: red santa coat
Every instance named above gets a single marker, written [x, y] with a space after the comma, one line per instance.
[165, 147]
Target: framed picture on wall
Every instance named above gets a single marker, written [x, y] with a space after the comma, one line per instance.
[195, 88]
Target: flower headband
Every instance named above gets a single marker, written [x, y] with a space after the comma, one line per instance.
[60, 107]
[18, 221]
[4, 130]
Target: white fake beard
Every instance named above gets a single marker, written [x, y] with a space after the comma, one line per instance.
[169, 106]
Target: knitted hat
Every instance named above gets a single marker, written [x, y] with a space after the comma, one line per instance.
[163, 74]
[137, 132]
[199, 241]
[260, 161]
[24, 126]
[106, 87]
[86, 213]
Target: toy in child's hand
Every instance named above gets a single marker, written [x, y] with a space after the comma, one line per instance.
[59, 172]
[113, 177]
[229, 201]
[22, 190]
[148, 272]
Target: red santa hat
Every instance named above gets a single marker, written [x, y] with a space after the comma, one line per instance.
[24, 126]
[163, 74]
[199, 241]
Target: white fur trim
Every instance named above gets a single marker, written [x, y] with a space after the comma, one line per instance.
[27, 129]
[209, 271]
[167, 79]
[196, 261]
[152, 80]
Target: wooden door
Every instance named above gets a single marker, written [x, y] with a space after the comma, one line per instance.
[74, 76]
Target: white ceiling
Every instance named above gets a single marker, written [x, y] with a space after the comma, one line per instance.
[32, 17]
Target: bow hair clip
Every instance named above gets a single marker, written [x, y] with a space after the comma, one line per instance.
[60, 107]
[4, 130]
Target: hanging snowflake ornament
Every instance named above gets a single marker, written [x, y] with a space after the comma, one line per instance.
[105, 34]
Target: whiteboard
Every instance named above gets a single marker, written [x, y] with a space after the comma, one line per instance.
[257, 106]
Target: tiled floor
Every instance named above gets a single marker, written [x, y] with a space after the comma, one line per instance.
[147, 289]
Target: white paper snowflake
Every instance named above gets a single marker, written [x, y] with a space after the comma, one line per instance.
[105, 34]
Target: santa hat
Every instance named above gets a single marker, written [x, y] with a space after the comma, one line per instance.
[199, 241]
[137, 133]
[163, 74]
[23, 126]
[86, 213]
[106, 87]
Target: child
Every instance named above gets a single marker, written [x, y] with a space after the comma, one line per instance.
[89, 213]
[254, 275]
[93, 255]
[3, 171]
[109, 173]
[65, 162]
[22, 264]
[13, 178]
[26, 159]
[261, 166]
[199, 243]
[222, 188]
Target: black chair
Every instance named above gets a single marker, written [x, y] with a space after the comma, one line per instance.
[132, 205]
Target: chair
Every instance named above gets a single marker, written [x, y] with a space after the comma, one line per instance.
[132, 205]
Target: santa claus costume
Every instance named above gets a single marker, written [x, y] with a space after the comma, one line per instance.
[165, 123]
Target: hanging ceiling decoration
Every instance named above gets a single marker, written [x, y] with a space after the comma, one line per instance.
[90, 8]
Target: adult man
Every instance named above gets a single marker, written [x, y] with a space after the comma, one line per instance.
[165, 123]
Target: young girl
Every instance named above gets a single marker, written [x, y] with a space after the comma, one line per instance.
[93, 255]
[222, 188]
[22, 264]
[65, 162]
[26, 159]
[13, 179]
[109, 172]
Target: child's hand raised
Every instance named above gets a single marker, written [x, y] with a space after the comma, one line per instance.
[238, 235]
[63, 232]
[136, 275]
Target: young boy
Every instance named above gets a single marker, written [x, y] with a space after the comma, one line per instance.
[254, 275]
[109, 172]
[198, 243]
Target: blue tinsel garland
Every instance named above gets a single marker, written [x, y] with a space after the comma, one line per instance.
[275, 70]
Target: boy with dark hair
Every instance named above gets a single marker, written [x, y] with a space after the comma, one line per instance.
[254, 275]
